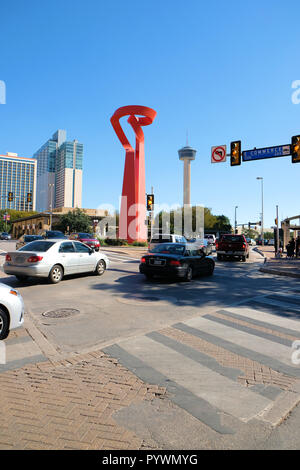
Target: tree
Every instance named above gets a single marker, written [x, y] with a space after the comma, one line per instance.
[74, 221]
[211, 222]
[250, 233]
[14, 215]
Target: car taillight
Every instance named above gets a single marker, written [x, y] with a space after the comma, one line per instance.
[34, 259]
[244, 246]
[143, 260]
[7, 258]
[174, 263]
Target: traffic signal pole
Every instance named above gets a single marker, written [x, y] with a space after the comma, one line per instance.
[277, 230]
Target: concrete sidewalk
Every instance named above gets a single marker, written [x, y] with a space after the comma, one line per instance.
[281, 266]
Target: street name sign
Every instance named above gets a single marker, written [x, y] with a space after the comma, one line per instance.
[267, 152]
[218, 154]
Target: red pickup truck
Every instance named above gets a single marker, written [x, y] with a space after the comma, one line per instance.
[232, 246]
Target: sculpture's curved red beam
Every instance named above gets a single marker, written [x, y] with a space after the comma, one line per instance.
[133, 209]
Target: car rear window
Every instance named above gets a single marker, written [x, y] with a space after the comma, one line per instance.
[173, 249]
[161, 239]
[85, 235]
[232, 238]
[40, 246]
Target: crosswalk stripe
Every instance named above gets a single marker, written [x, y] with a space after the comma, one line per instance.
[268, 318]
[198, 379]
[263, 346]
[249, 329]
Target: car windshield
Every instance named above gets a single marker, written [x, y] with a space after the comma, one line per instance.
[40, 246]
[233, 238]
[30, 238]
[55, 234]
[172, 248]
[85, 235]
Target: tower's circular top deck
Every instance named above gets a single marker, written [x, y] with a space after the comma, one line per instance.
[187, 153]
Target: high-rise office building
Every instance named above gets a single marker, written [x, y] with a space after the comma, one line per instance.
[59, 173]
[18, 176]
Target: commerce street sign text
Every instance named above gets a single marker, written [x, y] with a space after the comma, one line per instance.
[267, 152]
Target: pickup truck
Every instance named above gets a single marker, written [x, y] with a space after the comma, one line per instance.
[232, 246]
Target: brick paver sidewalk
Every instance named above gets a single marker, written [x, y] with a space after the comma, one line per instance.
[70, 404]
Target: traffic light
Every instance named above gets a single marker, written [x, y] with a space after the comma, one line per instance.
[249, 225]
[150, 202]
[10, 196]
[295, 149]
[235, 153]
[276, 221]
[29, 197]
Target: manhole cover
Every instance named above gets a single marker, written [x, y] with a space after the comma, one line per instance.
[61, 313]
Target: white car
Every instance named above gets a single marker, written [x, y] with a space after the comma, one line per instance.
[165, 238]
[54, 259]
[210, 238]
[11, 310]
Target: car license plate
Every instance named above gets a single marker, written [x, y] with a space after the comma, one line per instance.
[157, 262]
[19, 259]
[229, 252]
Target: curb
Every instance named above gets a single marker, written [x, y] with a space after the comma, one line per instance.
[282, 406]
[259, 252]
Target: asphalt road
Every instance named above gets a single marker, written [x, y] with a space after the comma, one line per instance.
[221, 345]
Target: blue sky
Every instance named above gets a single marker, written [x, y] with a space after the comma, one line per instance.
[221, 70]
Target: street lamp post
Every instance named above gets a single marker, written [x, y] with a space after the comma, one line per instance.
[51, 186]
[262, 209]
[235, 221]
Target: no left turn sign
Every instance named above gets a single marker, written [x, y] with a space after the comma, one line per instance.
[218, 154]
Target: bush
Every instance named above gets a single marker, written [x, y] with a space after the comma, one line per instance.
[102, 241]
[115, 242]
[139, 244]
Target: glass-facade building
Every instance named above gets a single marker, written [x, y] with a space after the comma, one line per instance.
[59, 170]
[18, 176]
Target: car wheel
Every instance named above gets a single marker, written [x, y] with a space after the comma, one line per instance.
[210, 270]
[101, 267]
[219, 257]
[243, 258]
[56, 274]
[189, 274]
[4, 324]
[149, 276]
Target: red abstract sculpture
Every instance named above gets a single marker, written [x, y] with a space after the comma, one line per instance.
[133, 206]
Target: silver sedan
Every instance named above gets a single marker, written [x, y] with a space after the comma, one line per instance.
[54, 259]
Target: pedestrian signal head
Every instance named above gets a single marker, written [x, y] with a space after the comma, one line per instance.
[235, 153]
